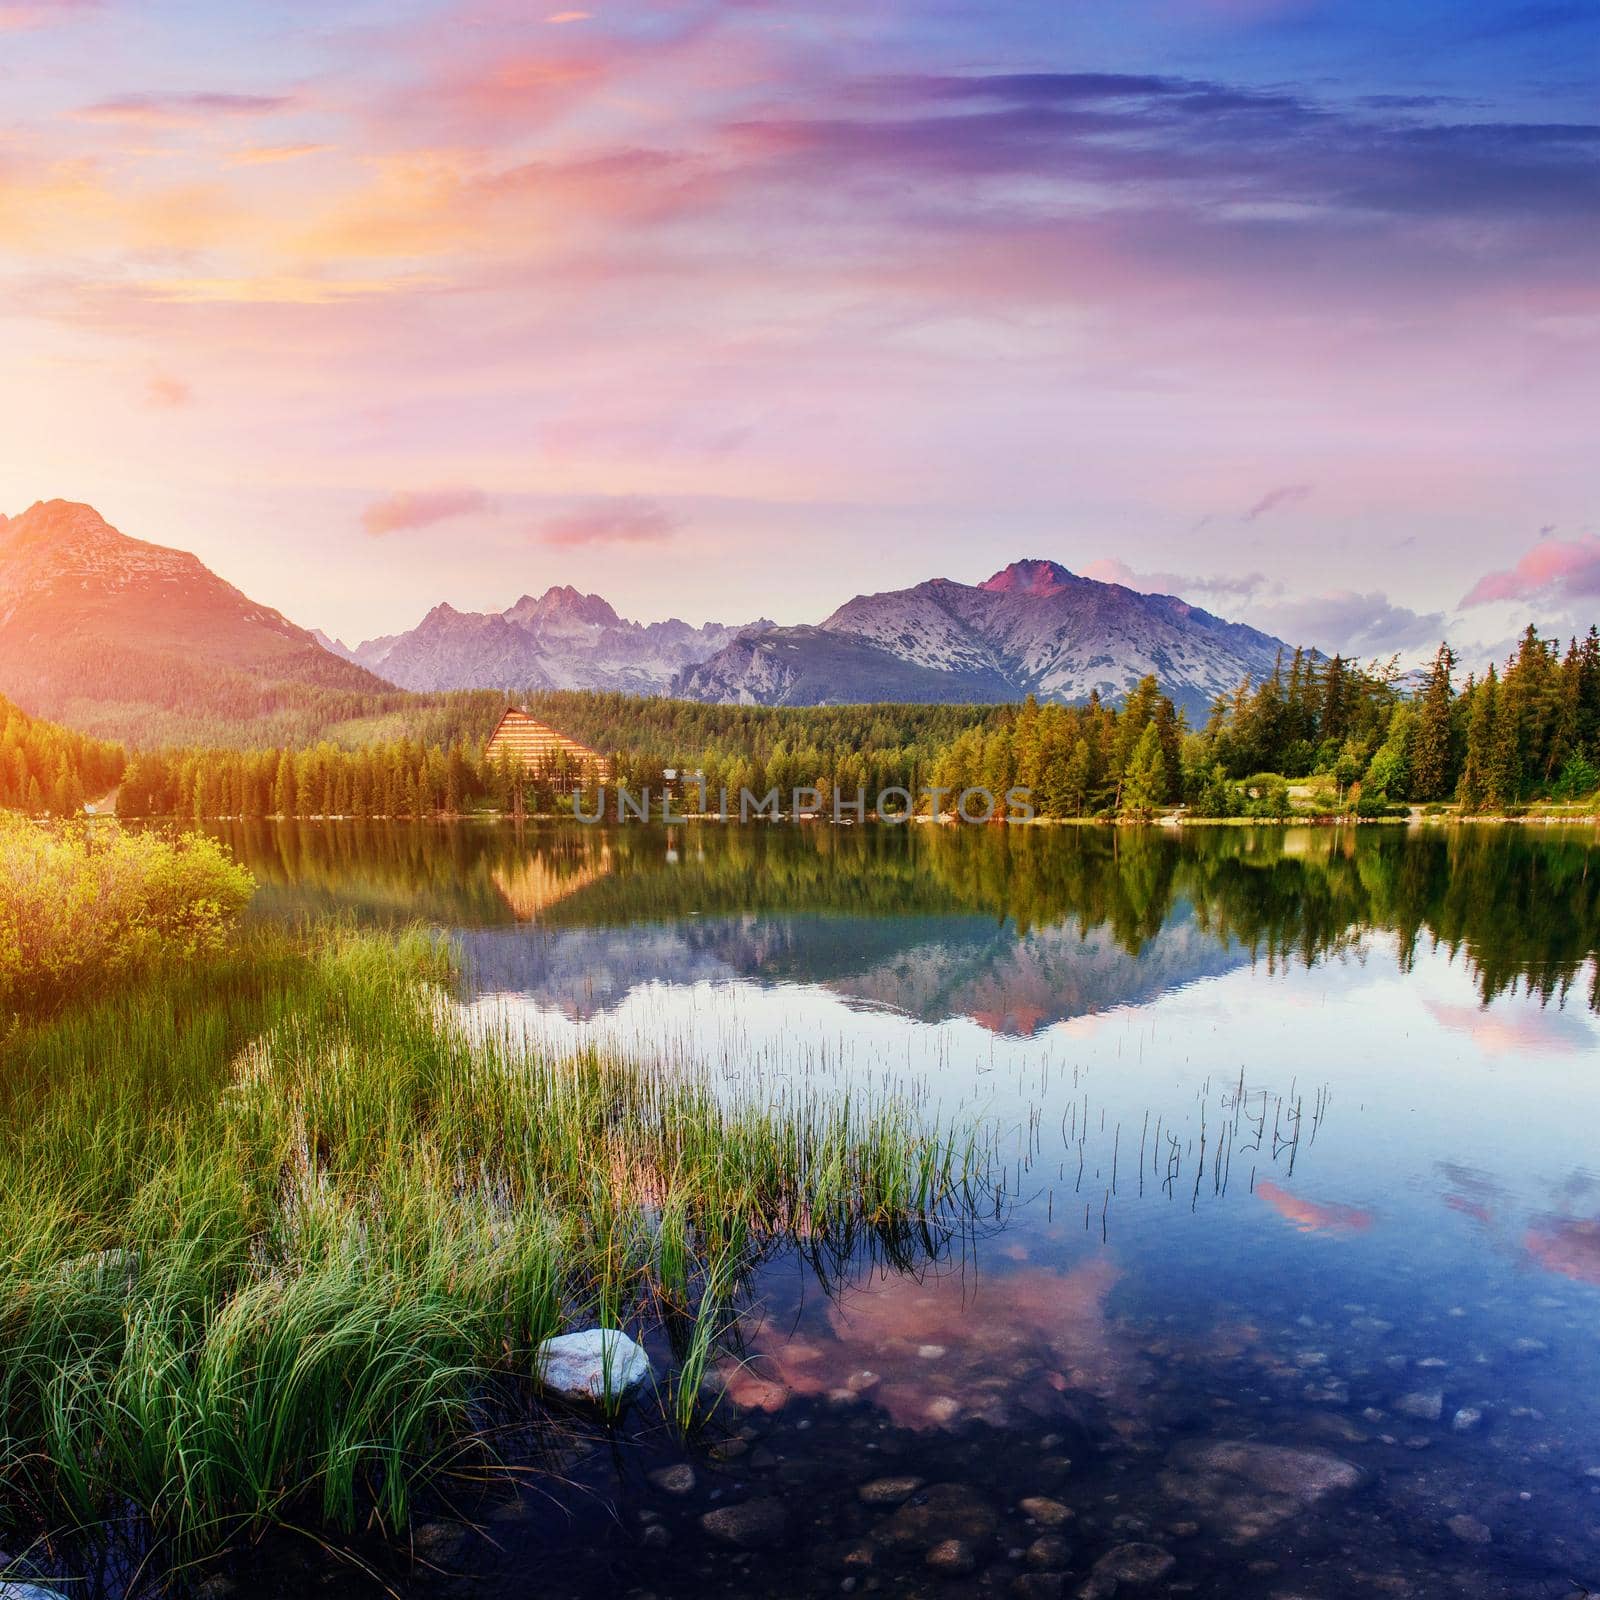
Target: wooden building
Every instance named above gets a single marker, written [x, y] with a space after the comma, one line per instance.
[536, 747]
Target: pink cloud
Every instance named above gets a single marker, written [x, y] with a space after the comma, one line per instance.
[1507, 1030]
[611, 522]
[409, 509]
[183, 110]
[1314, 1216]
[167, 392]
[17, 14]
[271, 154]
[1558, 567]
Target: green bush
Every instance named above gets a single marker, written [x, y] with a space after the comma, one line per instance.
[1216, 796]
[1266, 795]
[1578, 778]
[93, 904]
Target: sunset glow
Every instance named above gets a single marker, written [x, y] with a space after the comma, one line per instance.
[729, 310]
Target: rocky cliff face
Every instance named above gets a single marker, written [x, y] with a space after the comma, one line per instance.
[1033, 628]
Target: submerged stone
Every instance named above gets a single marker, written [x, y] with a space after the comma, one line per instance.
[595, 1365]
[888, 1491]
[676, 1479]
[1427, 1405]
[951, 1556]
[1129, 1566]
[28, 1591]
[1038, 1586]
[1046, 1512]
[1304, 1473]
[1248, 1489]
[751, 1525]
[946, 1511]
[1049, 1550]
[438, 1541]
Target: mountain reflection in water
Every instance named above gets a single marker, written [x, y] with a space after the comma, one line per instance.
[1292, 1143]
[1017, 928]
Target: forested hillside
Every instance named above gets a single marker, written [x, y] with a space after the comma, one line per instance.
[1368, 739]
[44, 768]
[1530, 731]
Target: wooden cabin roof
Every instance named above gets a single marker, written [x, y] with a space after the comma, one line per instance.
[533, 743]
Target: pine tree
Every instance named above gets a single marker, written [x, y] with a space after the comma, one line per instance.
[1078, 784]
[1563, 740]
[1335, 711]
[1589, 694]
[1503, 780]
[1473, 786]
[283, 786]
[1430, 752]
[1144, 785]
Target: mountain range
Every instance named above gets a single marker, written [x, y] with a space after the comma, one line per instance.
[561, 640]
[137, 640]
[1033, 628]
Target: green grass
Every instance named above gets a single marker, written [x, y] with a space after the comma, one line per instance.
[283, 1230]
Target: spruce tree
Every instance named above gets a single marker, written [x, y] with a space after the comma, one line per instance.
[1430, 753]
[1473, 785]
[1144, 785]
[1335, 711]
[283, 786]
[1503, 781]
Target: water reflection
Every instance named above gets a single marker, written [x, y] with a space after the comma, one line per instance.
[1313, 1216]
[1017, 928]
[1296, 1221]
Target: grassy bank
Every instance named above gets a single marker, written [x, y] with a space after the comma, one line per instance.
[283, 1232]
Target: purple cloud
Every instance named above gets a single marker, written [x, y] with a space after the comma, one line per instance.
[1246, 148]
[1273, 498]
[1109, 569]
[627, 521]
[411, 509]
[1352, 624]
[193, 106]
[1554, 569]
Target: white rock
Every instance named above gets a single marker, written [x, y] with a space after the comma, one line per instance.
[597, 1364]
[28, 1591]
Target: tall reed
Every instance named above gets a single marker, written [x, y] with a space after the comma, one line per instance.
[285, 1229]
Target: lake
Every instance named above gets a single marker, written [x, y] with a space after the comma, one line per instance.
[1286, 1277]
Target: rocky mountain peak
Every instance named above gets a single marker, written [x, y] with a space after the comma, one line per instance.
[562, 602]
[59, 522]
[1035, 577]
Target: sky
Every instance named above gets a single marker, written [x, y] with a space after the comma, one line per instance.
[735, 308]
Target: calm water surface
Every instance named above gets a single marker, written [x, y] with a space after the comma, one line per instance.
[1295, 1136]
